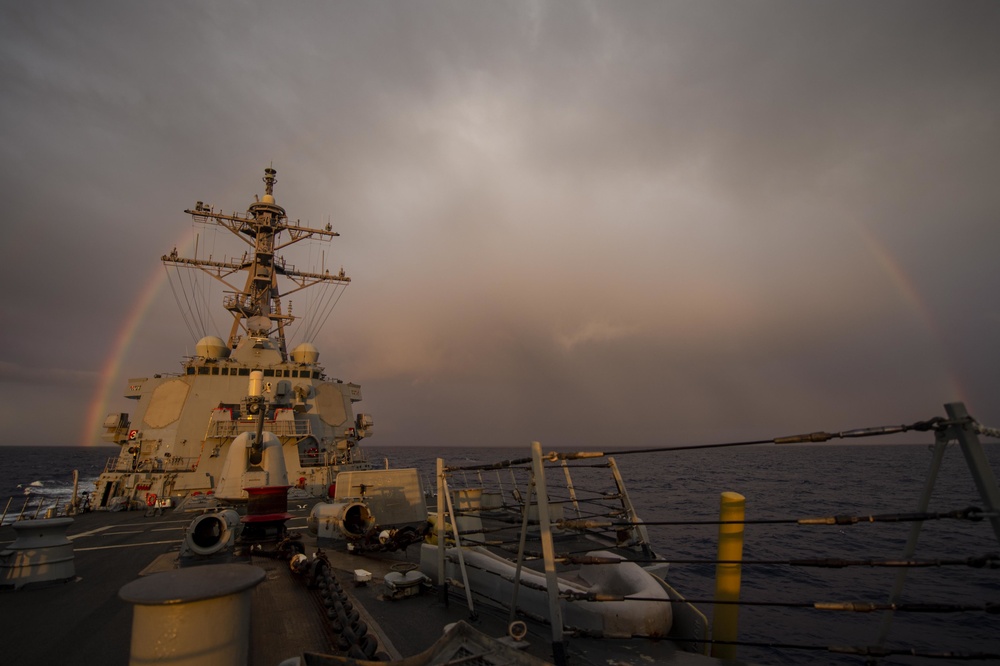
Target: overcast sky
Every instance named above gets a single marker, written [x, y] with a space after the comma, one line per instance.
[587, 223]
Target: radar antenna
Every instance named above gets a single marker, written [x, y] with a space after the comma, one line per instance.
[259, 298]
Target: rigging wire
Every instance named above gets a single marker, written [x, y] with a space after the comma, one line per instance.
[206, 283]
[847, 606]
[864, 651]
[205, 307]
[988, 561]
[329, 308]
[337, 291]
[311, 296]
[208, 290]
[303, 322]
[972, 513]
[184, 311]
[309, 334]
[935, 424]
[310, 324]
[192, 290]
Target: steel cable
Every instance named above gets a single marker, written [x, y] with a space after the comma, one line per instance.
[973, 514]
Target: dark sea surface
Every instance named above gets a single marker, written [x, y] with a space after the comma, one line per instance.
[34, 478]
[778, 482]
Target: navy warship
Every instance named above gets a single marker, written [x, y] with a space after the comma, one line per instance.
[175, 443]
[242, 524]
[240, 483]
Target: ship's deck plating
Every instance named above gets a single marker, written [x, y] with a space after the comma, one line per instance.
[85, 622]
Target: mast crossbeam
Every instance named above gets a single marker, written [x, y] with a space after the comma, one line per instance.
[260, 228]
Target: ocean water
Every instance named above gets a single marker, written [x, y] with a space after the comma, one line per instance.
[808, 481]
[778, 483]
[34, 478]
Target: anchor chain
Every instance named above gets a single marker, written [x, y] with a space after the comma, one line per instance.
[353, 637]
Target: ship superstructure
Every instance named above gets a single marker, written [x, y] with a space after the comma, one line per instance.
[183, 424]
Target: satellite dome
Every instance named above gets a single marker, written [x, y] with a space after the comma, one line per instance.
[305, 353]
[212, 346]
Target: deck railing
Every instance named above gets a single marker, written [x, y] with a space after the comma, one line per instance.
[223, 429]
[601, 517]
[127, 463]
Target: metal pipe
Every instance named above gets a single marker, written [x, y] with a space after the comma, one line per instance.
[548, 553]
[979, 464]
[26, 499]
[76, 485]
[570, 488]
[439, 529]
[458, 549]
[255, 400]
[520, 553]
[941, 442]
[257, 445]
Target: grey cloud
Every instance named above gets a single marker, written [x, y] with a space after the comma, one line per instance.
[715, 218]
[23, 375]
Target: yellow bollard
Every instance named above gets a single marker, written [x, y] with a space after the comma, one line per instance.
[727, 576]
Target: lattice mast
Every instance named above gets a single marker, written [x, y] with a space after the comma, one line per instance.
[260, 298]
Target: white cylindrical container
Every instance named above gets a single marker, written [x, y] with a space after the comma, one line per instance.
[40, 553]
[256, 383]
[198, 616]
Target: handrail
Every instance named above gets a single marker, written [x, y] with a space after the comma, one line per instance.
[224, 429]
[43, 502]
[127, 463]
[614, 521]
